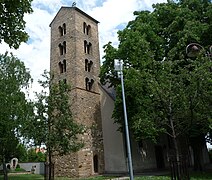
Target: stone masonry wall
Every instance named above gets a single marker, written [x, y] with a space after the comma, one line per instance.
[85, 105]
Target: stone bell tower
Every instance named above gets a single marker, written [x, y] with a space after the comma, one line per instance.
[75, 59]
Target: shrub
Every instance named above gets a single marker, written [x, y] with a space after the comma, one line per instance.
[20, 170]
[18, 166]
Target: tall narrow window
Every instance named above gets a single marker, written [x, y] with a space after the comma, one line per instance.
[86, 83]
[61, 49]
[90, 66]
[89, 48]
[60, 31]
[64, 65]
[86, 65]
[84, 27]
[64, 47]
[64, 81]
[88, 30]
[60, 67]
[64, 28]
[85, 46]
[90, 84]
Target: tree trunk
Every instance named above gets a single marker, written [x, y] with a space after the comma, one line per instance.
[176, 148]
[5, 170]
[50, 165]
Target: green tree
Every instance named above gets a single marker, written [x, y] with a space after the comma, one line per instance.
[21, 153]
[165, 90]
[33, 156]
[12, 22]
[14, 106]
[53, 124]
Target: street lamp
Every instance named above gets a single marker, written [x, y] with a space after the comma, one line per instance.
[118, 66]
[193, 49]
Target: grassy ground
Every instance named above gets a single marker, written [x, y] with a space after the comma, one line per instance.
[23, 177]
[194, 176]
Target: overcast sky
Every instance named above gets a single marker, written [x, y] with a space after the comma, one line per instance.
[113, 15]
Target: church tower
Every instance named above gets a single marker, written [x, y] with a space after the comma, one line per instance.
[74, 58]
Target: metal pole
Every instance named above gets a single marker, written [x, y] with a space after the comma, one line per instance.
[126, 124]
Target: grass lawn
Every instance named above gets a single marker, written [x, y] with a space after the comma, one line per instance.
[16, 176]
[194, 176]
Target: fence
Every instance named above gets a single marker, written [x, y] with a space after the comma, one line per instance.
[179, 168]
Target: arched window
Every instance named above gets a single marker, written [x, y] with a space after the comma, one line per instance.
[89, 48]
[60, 67]
[64, 28]
[85, 46]
[64, 65]
[88, 30]
[86, 83]
[90, 66]
[64, 47]
[95, 164]
[86, 65]
[84, 28]
[61, 49]
[90, 84]
[60, 31]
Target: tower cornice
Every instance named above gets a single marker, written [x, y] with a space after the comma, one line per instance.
[77, 9]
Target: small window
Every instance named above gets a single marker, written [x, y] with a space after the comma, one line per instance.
[64, 28]
[90, 84]
[89, 48]
[86, 83]
[90, 66]
[88, 30]
[84, 28]
[60, 31]
[64, 47]
[85, 46]
[60, 67]
[64, 81]
[61, 49]
[64, 65]
[86, 65]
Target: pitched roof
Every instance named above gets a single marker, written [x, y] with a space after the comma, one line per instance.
[110, 91]
[76, 9]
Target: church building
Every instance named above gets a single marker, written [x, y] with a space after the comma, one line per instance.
[75, 59]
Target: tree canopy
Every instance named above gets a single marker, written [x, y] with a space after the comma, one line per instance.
[53, 125]
[15, 109]
[166, 91]
[12, 24]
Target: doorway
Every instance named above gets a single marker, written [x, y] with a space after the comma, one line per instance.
[95, 164]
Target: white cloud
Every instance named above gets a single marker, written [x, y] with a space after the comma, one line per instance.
[110, 13]
[51, 5]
